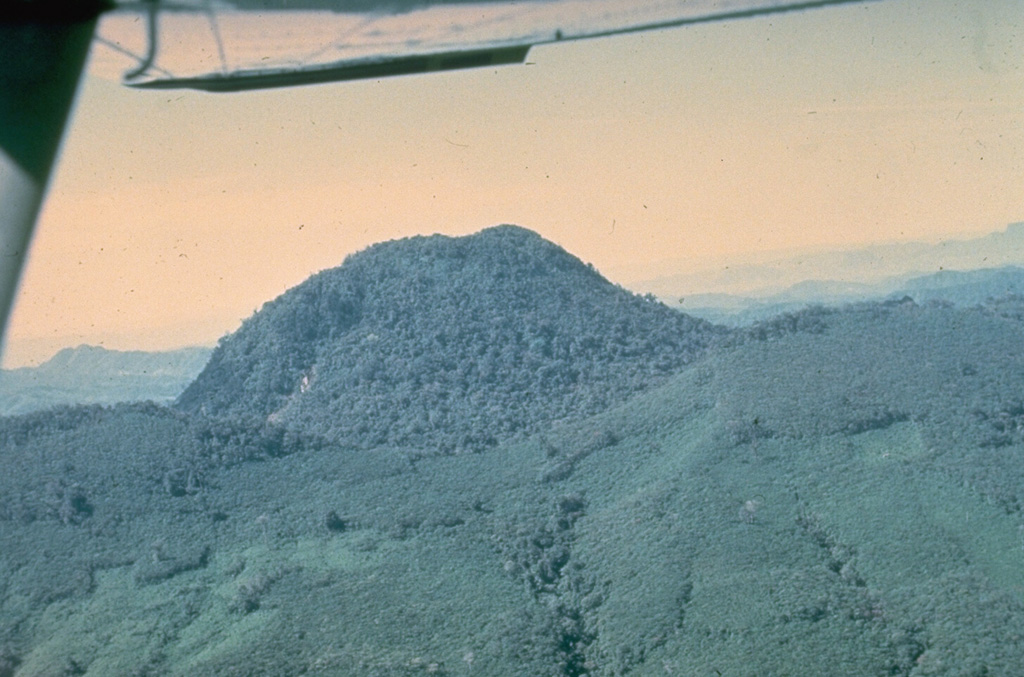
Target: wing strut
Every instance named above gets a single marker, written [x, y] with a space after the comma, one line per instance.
[40, 64]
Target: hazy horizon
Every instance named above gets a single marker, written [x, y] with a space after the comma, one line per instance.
[789, 267]
[175, 215]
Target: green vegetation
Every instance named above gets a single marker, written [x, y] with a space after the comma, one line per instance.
[829, 492]
[448, 344]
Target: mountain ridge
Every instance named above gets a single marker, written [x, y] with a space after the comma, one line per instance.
[962, 288]
[771, 273]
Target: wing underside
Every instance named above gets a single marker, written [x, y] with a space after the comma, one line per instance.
[251, 44]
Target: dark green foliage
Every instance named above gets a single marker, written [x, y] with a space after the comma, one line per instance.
[445, 343]
[563, 461]
[163, 566]
[811, 320]
[1010, 307]
[9, 662]
[333, 522]
[59, 462]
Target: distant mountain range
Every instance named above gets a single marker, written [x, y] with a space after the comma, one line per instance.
[770, 274]
[476, 456]
[961, 288]
[94, 375]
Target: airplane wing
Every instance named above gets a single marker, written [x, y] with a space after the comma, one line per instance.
[253, 44]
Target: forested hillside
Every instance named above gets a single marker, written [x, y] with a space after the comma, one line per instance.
[829, 492]
[445, 343]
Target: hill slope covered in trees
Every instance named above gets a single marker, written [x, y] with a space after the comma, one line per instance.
[445, 343]
[831, 492]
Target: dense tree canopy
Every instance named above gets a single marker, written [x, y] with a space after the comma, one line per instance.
[446, 343]
[830, 491]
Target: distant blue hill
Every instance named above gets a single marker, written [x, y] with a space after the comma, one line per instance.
[770, 274]
[94, 375]
[962, 288]
[966, 288]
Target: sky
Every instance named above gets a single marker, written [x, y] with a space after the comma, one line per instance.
[174, 215]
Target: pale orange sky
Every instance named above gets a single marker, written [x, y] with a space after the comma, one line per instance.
[176, 214]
